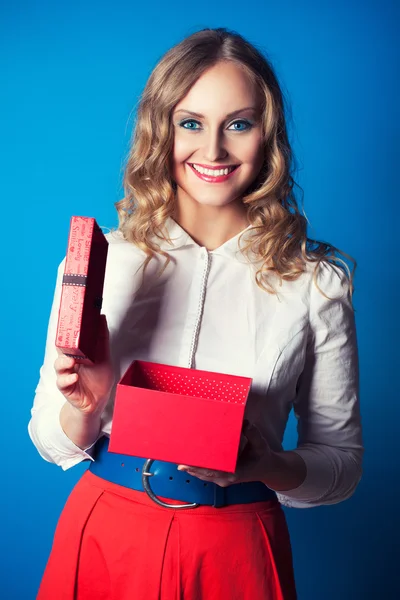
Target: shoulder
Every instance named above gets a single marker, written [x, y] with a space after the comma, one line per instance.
[124, 261]
[330, 303]
[324, 278]
[321, 291]
[115, 237]
[328, 280]
[120, 249]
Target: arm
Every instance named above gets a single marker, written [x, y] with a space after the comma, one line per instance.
[327, 403]
[82, 429]
[63, 433]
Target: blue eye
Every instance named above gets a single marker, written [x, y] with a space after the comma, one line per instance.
[189, 124]
[241, 125]
[194, 125]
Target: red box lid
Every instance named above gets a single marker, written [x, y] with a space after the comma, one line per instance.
[179, 415]
[82, 289]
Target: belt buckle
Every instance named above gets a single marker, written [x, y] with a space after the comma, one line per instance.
[146, 474]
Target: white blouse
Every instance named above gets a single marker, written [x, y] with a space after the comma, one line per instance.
[205, 311]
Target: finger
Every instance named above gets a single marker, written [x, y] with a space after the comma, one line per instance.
[218, 477]
[64, 364]
[201, 473]
[66, 383]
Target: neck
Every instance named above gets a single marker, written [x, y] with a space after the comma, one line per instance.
[210, 226]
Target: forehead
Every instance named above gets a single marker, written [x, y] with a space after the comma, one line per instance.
[223, 88]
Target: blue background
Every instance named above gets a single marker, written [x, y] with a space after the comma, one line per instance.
[71, 74]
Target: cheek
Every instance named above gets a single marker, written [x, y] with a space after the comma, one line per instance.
[252, 152]
[257, 157]
[183, 148]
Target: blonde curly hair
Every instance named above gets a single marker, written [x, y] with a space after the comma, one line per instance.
[278, 229]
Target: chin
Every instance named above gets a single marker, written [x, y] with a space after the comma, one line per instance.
[211, 194]
[214, 199]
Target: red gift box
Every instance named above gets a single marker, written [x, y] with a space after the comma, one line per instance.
[82, 289]
[179, 415]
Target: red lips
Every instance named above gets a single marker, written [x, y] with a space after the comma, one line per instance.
[211, 178]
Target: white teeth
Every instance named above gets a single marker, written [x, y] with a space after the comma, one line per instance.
[213, 172]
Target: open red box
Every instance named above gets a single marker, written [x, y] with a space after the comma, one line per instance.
[179, 415]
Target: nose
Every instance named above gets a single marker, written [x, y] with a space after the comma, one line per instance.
[214, 148]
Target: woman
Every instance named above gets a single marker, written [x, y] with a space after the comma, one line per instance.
[211, 268]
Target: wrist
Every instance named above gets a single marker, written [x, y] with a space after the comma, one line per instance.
[275, 466]
[286, 471]
[81, 428]
[83, 416]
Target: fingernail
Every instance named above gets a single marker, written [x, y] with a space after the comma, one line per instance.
[182, 468]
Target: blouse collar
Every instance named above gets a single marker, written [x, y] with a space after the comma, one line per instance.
[180, 238]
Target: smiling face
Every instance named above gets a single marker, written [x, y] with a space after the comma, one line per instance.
[218, 150]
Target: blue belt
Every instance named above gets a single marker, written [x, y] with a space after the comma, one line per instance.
[166, 481]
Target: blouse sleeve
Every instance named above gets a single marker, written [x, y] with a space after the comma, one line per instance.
[327, 400]
[44, 426]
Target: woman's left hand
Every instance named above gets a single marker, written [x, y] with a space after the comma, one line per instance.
[256, 460]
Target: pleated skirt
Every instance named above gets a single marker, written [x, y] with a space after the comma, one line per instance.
[114, 543]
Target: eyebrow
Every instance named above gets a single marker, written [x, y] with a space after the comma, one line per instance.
[228, 116]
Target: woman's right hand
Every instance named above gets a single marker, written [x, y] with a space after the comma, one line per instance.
[87, 387]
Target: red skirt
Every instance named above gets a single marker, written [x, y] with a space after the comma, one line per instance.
[114, 543]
